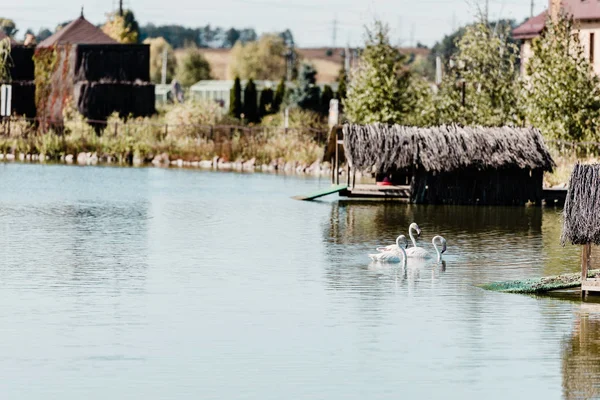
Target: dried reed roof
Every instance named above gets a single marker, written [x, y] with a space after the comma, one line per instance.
[444, 148]
[581, 216]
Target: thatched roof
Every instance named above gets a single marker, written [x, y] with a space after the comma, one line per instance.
[444, 148]
[581, 216]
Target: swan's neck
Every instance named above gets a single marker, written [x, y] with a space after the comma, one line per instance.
[412, 238]
[403, 256]
[439, 255]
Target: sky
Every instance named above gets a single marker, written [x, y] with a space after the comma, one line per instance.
[311, 21]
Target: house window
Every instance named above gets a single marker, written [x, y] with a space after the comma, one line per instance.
[592, 48]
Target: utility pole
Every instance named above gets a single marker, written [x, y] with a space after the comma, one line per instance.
[121, 8]
[334, 33]
[532, 8]
[412, 35]
[347, 59]
[163, 75]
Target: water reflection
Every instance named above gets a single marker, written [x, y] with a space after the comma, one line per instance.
[581, 355]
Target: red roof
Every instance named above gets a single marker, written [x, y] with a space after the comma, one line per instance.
[582, 9]
[79, 31]
[531, 28]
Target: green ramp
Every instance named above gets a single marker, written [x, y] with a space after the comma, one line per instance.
[540, 285]
[322, 192]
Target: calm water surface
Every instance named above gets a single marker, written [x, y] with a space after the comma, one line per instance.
[161, 283]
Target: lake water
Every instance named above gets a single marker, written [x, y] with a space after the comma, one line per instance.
[164, 283]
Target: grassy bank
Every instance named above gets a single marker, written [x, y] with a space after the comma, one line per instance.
[190, 132]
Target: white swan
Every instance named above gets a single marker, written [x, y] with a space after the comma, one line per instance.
[416, 228]
[412, 227]
[393, 256]
[420, 252]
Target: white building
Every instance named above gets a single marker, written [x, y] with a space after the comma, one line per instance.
[586, 15]
[219, 91]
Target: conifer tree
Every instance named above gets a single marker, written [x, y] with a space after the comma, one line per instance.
[326, 96]
[265, 104]
[279, 95]
[235, 99]
[250, 100]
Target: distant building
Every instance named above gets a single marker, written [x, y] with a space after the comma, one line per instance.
[586, 15]
[21, 72]
[98, 74]
[219, 91]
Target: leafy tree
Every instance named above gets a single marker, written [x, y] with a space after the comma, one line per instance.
[485, 68]
[123, 28]
[279, 95]
[377, 91]
[265, 103]
[250, 97]
[62, 25]
[326, 96]
[180, 36]
[260, 59]
[43, 33]
[193, 67]
[8, 26]
[157, 46]
[307, 95]
[5, 62]
[235, 99]
[341, 80]
[448, 46]
[561, 95]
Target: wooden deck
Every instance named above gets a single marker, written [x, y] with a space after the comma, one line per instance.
[551, 197]
[376, 191]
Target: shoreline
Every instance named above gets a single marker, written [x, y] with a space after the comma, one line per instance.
[316, 169]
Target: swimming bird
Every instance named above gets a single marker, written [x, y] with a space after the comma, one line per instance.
[420, 252]
[393, 256]
[412, 227]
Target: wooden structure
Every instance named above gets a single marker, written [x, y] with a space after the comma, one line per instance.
[21, 78]
[443, 164]
[581, 218]
[96, 72]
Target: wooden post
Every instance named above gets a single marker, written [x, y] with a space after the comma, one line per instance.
[586, 250]
[336, 172]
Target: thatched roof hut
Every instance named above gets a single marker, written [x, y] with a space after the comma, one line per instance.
[581, 215]
[444, 148]
[453, 164]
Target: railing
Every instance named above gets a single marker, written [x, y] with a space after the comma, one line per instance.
[29, 126]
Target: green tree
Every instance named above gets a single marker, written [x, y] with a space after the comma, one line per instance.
[43, 33]
[377, 91]
[342, 80]
[265, 103]
[8, 26]
[561, 95]
[235, 99]
[193, 67]
[250, 106]
[307, 94]
[279, 95]
[485, 68]
[157, 46]
[123, 28]
[5, 60]
[260, 59]
[326, 96]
